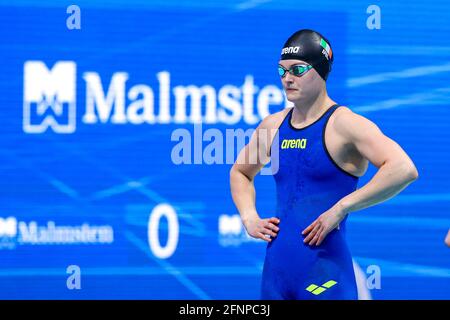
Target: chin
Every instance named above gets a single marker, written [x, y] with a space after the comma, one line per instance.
[294, 96]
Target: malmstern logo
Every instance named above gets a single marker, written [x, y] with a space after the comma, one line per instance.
[13, 233]
[50, 94]
[316, 290]
[49, 97]
[8, 227]
[8, 232]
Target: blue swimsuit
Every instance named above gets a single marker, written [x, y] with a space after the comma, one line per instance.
[308, 183]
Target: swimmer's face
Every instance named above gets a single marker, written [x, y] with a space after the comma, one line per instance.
[301, 88]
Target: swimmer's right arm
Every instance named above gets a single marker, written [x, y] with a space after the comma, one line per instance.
[249, 162]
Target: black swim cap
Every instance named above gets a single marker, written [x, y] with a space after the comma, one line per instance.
[311, 47]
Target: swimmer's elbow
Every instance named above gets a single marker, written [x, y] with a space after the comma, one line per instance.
[235, 172]
[231, 173]
[413, 173]
[405, 168]
[409, 172]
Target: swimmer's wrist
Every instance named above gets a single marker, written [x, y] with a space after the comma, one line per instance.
[343, 208]
[248, 217]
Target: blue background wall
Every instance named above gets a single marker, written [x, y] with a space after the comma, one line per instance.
[113, 175]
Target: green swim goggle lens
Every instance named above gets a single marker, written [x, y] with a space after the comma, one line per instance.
[297, 70]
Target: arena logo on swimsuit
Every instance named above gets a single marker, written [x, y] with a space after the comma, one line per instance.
[50, 94]
[293, 144]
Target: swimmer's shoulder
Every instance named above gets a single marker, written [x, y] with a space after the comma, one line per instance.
[274, 120]
[345, 119]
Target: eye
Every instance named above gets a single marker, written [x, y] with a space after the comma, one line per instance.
[281, 71]
[299, 69]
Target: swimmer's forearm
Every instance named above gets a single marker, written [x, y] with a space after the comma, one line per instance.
[390, 179]
[243, 194]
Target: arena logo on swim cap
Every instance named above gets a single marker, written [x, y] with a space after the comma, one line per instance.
[326, 49]
[287, 50]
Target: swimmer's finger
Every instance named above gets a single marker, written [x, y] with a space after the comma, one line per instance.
[309, 228]
[274, 220]
[273, 227]
[269, 232]
[312, 233]
[316, 237]
[322, 236]
[263, 237]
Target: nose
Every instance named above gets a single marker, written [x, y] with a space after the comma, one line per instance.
[288, 78]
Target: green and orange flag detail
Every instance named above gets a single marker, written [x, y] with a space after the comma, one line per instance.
[327, 47]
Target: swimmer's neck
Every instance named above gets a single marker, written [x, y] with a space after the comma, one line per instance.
[307, 110]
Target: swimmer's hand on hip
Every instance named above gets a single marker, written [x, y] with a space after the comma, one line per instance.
[262, 228]
[316, 232]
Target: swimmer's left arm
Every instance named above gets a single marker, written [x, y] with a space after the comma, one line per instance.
[395, 172]
[395, 168]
